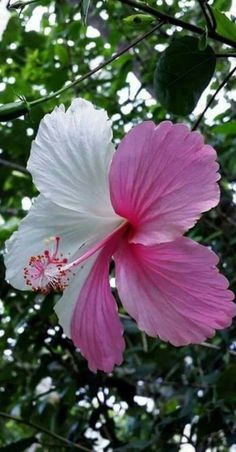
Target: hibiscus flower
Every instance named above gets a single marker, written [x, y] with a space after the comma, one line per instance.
[132, 205]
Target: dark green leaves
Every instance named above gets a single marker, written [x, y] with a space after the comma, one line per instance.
[19, 446]
[182, 73]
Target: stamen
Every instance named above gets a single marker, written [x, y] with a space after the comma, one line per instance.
[45, 272]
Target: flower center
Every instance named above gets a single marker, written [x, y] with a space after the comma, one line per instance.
[45, 272]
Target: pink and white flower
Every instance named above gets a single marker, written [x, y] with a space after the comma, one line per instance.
[133, 205]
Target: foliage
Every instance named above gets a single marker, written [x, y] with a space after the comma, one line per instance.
[183, 68]
[146, 403]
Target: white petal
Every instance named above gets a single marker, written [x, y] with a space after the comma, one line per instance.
[44, 220]
[4, 16]
[70, 158]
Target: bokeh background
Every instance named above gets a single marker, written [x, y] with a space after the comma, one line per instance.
[162, 398]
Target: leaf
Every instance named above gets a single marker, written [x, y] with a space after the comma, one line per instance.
[139, 19]
[229, 128]
[224, 26]
[19, 446]
[226, 384]
[8, 228]
[223, 5]
[182, 73]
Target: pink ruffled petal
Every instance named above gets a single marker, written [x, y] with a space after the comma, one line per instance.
[161, 179]
[95, 327]
[174, 290]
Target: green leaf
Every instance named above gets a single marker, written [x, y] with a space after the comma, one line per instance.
[19, 446]
[226, 384]
[139, 19]
[229, 128]
[224, 26]
[8, 228]
[182, 73]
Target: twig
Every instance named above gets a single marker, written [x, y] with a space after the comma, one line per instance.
[211, 14]
[210, 26]
[223, 83]
[14, 166]
[178, 22]
[226, 79]
[43, 430]
[217, 347]
[19, 4]
[97, 68]
[16, 109]
[225, 55]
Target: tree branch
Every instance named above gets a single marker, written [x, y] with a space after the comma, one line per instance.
[99, 67]
[19, 4]
[226, 79]
[210, 26]
[216, 347]
[178, 22]
[43, 430]
[14, 166]
[97, 22]
[16, 109]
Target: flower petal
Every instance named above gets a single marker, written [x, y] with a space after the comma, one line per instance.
[4, 16]
[44, 220]
[88, 313]
[70, 158]
[161, 179]
[174, 290]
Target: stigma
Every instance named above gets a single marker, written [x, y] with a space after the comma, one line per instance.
[47, 272]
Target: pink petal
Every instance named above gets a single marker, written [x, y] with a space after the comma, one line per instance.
[95, 325]
[161, 179]
[174, 290]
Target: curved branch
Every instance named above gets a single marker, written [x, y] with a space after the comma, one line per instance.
[217, 347]
[226, 79]
[178, 22]
[13, 166]
[210, 25]
[16, 109]
[43, 430]
[99, 67]
[101, 25]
